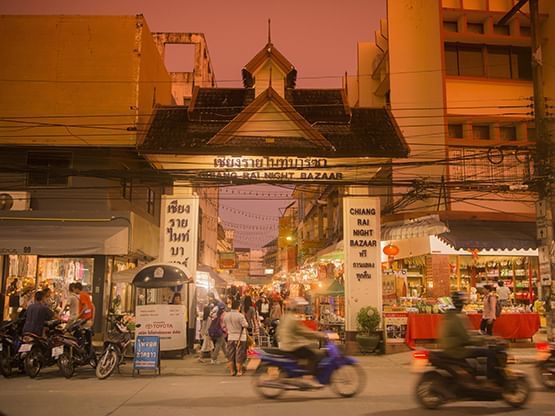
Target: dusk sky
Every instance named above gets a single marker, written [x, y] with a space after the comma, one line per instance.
[318, 36]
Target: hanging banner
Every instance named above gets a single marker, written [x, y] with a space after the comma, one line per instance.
[362, 247]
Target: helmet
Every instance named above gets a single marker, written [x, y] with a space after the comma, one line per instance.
[458, 299]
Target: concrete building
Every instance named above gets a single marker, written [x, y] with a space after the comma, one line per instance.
[460, 87]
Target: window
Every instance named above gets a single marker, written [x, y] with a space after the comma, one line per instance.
[126, 188]
[450, 26]
[499, 62]
[48, 169]
[471, 61]
[507, 133]
[480, 132]
[475, 27]
[455, 131]
[150, 201]
[501, 30]
[492, 61]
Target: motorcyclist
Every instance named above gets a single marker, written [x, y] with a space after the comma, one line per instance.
[296, 338]
[456, 341]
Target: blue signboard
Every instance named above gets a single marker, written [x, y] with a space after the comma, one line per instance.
[147, 353]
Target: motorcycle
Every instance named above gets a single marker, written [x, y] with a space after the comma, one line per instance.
[77, 348]
[113, 354]
[38, 352]
[278, 371]
[455, 380]
[9, 344]
[546, 364]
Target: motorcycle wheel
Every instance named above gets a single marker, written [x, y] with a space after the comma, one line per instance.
[348, 380]
[516, 391]
[546, 374]
[6, 362]
[33, 363]
[106, 364]
[66, 364]
[429, 391]
[264, 375]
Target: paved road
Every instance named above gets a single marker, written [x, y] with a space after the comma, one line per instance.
[194, 389]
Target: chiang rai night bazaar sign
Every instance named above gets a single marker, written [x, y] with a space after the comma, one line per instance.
[361, 239]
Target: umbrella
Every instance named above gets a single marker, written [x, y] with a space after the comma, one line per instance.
[162, 275]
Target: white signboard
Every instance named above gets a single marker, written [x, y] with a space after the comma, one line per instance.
[164, 321]
[179, 228]
[361, 239]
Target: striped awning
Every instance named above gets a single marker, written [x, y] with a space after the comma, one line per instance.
[413, 228]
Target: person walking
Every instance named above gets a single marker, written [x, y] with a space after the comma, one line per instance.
[236, 326]
[488, 314]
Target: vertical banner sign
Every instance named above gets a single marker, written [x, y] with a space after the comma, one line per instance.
[361, 239]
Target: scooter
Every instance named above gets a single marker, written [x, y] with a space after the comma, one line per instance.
[457, 380]
[38, 352]
[546, 364]
[10, 332]
[113, 354]
[78, 350]
[277, 371]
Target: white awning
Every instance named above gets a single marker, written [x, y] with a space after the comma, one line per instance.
[413, 228]
[63, 239]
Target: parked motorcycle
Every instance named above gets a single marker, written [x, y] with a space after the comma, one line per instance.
[278, 371]
[10, 332]
[77, 348]
[113, 354]
[546, 364]
[456, 380]
[38, 352]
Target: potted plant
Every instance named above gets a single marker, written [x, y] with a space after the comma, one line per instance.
[368, 320]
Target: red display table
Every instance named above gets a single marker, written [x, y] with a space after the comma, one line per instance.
[508, 326]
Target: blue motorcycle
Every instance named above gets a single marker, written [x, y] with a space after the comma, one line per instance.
[278, 371]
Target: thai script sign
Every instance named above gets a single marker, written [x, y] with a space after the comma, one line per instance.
[147, 353]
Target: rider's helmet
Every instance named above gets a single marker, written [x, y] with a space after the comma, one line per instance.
[459, 299]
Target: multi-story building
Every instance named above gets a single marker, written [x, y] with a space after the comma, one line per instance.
[460, 87]
[78, 202]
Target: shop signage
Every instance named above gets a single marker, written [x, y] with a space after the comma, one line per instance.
[273, 168]
[147, 354]
[167, 322]
[228, 260]
[179, 228]
[395, 324]
[361, 239]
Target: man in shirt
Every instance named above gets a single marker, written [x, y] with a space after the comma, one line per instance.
[236, 326]
[503, 293]
[86, 307]
[72, 304]
[37, 314]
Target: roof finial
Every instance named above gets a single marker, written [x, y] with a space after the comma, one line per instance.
[269, 31]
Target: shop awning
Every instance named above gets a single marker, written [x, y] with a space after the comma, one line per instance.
[158, 275]
[63, 239]
[333, 288]
[413, 228]
[489, 235]
[219, 281]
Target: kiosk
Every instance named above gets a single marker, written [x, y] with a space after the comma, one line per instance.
[158, 309]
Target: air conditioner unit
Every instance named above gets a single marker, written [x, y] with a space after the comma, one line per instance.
[15, 201]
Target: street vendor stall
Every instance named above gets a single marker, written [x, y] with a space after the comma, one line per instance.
[157, 285]
[330, 307]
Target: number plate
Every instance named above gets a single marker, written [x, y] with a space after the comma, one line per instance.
[57, 351]
[253, 363]
[25, 347]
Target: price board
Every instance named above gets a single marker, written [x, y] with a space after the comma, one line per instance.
[147, 354]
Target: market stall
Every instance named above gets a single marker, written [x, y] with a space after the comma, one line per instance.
[330, 307]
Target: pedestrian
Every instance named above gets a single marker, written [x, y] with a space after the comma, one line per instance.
[250, 314]
[217, 331]
[503, 293]
[72, 304]
[207, 344]
[489, 311]
[86, 306]
[13, 299]
[276, 312]
[263, 307]
[37, 315]
[236, 326]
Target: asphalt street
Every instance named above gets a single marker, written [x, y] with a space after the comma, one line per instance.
[187, 387]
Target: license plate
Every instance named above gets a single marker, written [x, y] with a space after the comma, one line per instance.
[253, 363]
[25, 347]
[57, 351]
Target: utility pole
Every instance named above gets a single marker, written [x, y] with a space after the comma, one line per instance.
[544, 158]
